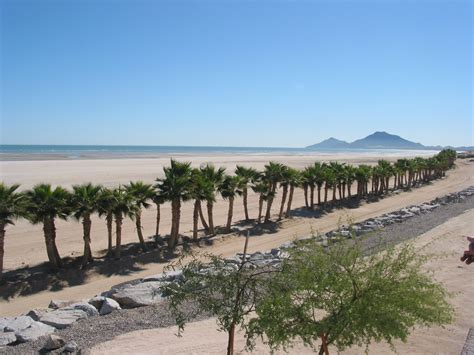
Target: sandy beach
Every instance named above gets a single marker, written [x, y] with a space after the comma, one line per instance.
[25, 243]
[446, 239]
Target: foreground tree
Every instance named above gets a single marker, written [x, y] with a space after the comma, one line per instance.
[344, 298]
[11, 207]
[43, 205]
[141, 194]
[85, 202]
[175, 187]
[227, 293]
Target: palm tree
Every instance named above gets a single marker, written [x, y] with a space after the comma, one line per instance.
[362, 175]
[175, 187]
[45, 204]
[247, 175]
[230, 187]
[158, 200]
[263, 189]
[309, 182]
[272, 174]
[11, 207]
[105, 208]
[124, 206]
[85, 202]
[329, 182]
[350, 175]
[201, 190]
[141, 194]
[294, 180]
[214, 176]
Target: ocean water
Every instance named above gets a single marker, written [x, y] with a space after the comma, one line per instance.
[84, 151]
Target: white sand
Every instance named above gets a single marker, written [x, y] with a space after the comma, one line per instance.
[202, 337]
[25, 243]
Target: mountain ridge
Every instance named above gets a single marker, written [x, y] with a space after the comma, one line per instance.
[377, 140]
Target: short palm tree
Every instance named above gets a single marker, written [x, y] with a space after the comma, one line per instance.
[264, 190]
[141, 194]
[293, 180]
[175, 187]
[11, 207]
[158, 200]
[214, 177]
[105, 208]
[123, 206]
[272, 174]
[284, 184]
[85, 202]
[43, 205]
[247, 175]
[201, 190]
[231, 187]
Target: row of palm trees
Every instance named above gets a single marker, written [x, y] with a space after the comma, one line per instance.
[43, 204]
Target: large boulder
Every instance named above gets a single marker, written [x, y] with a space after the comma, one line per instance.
[7, 338]
[13, 324]
[34, 331]
[36, 313]
[63, 317]
[56, 304]
[108, 306]
[138, 295]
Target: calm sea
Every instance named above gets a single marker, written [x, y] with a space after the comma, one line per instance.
[84, 151]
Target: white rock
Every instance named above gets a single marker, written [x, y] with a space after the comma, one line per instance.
[13, 324]
[142, 294]
[7, 338]
[108, 306]
[34, 331]
[71, 347]
[63, 318]
[86, 307]
[53, 342]
[56, 304]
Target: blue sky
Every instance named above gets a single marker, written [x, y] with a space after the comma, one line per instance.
[235, 73]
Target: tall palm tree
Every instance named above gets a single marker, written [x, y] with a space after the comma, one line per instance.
[44, 204]
[175, 187]
[105, 208]
[272, 174]
[124, 206]
[330, 181]
[141, 194]
[294, 180]
[201, 190]
[214, 176]
[12, 205]
[247, 175]
[350, 175]
[309, 183]
[362, 175]
[230, 187]
[85, 202]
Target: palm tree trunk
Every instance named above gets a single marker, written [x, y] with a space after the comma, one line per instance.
[334, 193]
[319, 195]
[86, 226]
[2, 244]
[158, 217]
[290, 200]
[59, 262]
[48, 238]
[210, 206]
[311, 196]
[246, 211]
[118, 235]
[138, 224]
[283, 200]
[230, 214]
[110, 220]
[349, 185]
[195, 220]
[325, 193]
[269, 209]
[305, 190]
[176, 215]
[203, 220]
[260, 208]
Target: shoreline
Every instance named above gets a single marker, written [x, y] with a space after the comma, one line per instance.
[87, 335]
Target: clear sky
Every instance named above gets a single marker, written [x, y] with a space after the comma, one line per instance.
[235, 73]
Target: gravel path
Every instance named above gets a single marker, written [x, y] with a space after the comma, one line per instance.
[89, 332]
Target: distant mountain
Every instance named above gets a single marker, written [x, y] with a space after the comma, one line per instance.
[377, 140]
[331, 143]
